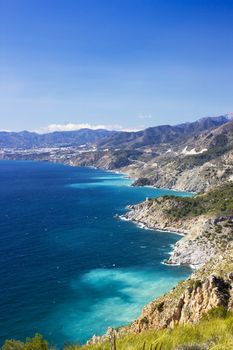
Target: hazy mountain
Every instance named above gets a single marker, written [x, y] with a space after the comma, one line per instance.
[26, 139]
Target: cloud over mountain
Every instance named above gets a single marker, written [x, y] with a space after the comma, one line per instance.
[73, 127]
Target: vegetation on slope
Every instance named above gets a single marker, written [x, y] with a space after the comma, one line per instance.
[213, 332]
[35, 343]
[215, 202]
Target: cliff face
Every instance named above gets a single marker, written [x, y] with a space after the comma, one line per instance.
[209, 287]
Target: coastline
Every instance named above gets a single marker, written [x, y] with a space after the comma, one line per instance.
[127, 175]
[169, 189]
[143, 225]
[154, 228]
[151, 228]
[194, 248]
[125, 217]
[70, 162]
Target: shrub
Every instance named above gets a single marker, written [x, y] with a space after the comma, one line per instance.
[160, 306]
[216, 312]
[35, 343]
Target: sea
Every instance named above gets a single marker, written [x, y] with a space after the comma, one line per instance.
[69, 267]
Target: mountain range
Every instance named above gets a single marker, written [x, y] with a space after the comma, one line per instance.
[26, 139]
[152, 136]
[158, 135]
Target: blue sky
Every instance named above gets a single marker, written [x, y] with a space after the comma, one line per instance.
[120, 63]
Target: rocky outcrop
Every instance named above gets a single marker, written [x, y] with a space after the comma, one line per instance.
[208, 288]
[196, 300]
[213, 238]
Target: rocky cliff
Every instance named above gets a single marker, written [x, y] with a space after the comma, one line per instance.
[208, 288]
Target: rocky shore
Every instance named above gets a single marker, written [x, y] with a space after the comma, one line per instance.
[203, 236]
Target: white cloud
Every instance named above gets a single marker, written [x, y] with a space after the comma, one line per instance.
[72, 127]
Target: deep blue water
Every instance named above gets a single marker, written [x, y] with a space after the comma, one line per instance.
[68, 268]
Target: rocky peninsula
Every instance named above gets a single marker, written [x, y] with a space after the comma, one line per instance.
[205, 221]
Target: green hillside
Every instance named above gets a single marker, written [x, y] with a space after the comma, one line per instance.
[215, 202]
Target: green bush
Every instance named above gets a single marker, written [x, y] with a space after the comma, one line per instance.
[216, 312]
[35, 343]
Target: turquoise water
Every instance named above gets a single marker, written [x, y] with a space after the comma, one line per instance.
[68, 267]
